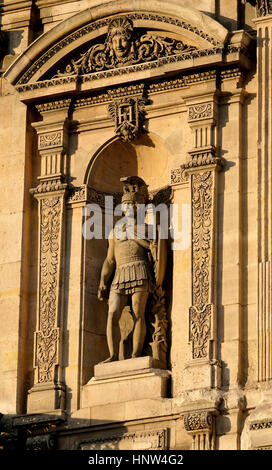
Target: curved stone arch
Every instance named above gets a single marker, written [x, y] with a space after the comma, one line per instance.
[95, 156]
[70, 34]
[148, 146]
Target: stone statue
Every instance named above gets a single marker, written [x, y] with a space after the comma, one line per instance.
[130, 259]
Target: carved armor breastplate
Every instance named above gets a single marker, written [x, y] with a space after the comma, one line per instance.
[127, 251]
[133, 270]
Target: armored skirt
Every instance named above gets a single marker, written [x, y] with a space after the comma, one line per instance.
[132, 277]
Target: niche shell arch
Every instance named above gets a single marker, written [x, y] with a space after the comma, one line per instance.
[146, 156]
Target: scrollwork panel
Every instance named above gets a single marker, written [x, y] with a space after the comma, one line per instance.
[48, 335]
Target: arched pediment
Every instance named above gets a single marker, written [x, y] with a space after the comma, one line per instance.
[160, 35]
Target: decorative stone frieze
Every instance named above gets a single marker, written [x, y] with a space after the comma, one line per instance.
[137, 49]
[260, 425]
[128, 115]
[200, 111]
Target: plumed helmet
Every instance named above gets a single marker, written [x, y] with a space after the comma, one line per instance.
[135, 190]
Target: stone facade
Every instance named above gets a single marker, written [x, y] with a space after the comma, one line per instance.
[184, 102]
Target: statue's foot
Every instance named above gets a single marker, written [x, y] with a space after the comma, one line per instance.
[134, 356]
[110, 359]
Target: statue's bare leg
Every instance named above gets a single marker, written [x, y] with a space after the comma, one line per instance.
[116, 304]
[139, 300]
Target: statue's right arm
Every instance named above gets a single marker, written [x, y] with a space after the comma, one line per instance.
[107, 270]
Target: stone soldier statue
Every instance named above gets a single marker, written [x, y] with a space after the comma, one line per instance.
[130, 259]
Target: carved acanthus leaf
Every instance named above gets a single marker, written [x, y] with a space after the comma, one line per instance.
[202, 226]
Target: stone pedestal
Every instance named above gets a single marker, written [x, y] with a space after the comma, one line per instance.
[131, 379]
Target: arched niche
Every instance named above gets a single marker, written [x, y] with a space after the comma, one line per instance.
[148, 158]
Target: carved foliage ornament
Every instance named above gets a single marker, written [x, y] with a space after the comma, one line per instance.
[155, 440]
[200, 313]
[199, 421]
[200, 111]
[202, 184]
[47, 337]
[123, 46]
[264, 7]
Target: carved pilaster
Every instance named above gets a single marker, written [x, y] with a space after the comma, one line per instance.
[202, 167]
[200, 426]
[48, 392]
[264, 120]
